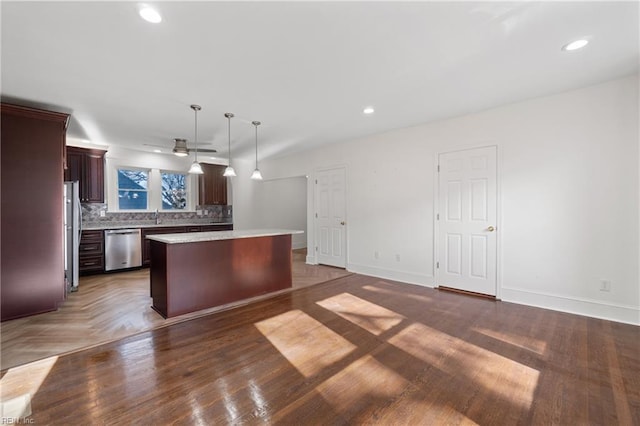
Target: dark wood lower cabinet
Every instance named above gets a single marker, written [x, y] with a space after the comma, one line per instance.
[92, 244]
[91, 252]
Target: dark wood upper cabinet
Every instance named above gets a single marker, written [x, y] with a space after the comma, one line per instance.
[87, 167]
[32, 238]
[212, 185]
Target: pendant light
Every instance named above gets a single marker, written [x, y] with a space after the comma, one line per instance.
[256, 175]
[229, 172]
[195, 167]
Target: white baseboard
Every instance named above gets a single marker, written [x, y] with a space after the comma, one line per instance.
[573, 305]
[311, 260]
[389, 274]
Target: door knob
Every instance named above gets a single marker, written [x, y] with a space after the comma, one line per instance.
[342, 223]
[491, 229]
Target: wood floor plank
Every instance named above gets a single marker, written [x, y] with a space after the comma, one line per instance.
[355, 350]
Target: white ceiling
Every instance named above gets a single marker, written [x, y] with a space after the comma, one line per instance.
[305, 69]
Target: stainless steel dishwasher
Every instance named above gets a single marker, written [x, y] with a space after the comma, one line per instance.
[122, 249]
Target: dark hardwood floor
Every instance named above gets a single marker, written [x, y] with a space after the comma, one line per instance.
[354, 350]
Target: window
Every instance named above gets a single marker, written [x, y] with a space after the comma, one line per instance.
[174, 191]
[132, 189]
[137, 188]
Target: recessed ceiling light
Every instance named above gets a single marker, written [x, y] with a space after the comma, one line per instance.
[575, 45]
[212, 158]
[149, 14]
[368, 110]
[156, 150]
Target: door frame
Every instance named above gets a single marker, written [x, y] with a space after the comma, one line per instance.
[311, 212]
[436, 211]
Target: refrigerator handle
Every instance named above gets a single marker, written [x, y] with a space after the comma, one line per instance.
[79, 207]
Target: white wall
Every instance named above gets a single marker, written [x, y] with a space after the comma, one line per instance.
[271, 203]
[282, 203]
[243, 189]
[569, 187]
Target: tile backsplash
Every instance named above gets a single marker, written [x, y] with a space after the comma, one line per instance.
[91, 213]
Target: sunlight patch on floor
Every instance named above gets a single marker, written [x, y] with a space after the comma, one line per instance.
[294, 332]
[373, 318]
[523, 342]
[361, 382]
[513, 381]
[20, 384]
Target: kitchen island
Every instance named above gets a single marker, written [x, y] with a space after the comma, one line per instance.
[195, 271]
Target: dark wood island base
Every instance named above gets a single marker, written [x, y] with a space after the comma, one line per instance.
[191, 276]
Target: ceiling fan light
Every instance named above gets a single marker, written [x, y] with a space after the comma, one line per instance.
[196, 168]
[180, 147]
[229, 172]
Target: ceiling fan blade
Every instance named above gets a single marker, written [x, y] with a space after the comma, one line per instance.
[157, 146]
[202, 150]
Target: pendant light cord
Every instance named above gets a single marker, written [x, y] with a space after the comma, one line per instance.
[256, 146]
[229, 126]
[196, 111]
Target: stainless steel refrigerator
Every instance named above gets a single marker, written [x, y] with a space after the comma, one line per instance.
[72, 231]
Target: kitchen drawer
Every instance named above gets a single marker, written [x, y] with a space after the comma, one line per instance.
[91, 252]
[88, 236]
[91, 264]
[90, 248]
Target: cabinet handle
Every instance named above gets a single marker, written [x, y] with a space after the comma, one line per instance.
[89, 264]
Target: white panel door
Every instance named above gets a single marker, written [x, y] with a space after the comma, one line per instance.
[467, 249]
[331, 217]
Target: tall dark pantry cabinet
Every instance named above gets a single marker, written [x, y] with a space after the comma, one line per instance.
[32, 148]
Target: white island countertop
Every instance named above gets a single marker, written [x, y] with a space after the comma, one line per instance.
[196, 237]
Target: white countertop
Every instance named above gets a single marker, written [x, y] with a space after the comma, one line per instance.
[196, 237]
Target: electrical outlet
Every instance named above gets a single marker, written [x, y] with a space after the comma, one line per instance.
[199, 212]
[103, 213]
[605, 285]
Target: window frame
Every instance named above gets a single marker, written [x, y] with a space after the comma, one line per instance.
[187, 190]
[154, 190]
[117, 189]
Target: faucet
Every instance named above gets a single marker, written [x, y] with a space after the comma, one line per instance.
[157, 217]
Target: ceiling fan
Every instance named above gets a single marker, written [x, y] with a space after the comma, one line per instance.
[180, 148]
